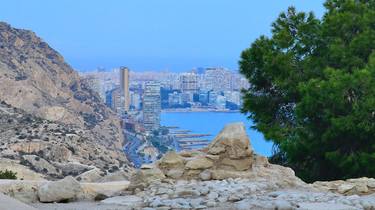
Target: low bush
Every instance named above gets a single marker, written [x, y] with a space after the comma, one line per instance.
[7, 174]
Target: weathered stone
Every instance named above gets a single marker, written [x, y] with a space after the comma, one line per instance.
[62, 190]
[320, 206]
[147, 166]
[192, 173]
[171, 160]
[283, 205]
[190, 153]
[260, 160]
[142, 178]
[232, 141]
[360, 188]
[371, 183]
[175, 173]
[239, 164]
[184, 192]
[225, 174]
[212, 195]
[213, 157]
[345, 188]
[199, 163]
[91, 191]
[205, 175]
[235, 197]
[130, 201]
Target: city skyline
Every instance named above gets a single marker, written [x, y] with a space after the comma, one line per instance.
[209, 88]
[144, 35]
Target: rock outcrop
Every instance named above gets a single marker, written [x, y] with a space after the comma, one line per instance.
[66, 189]
[48, 111]
[229, 155]
[360, 186]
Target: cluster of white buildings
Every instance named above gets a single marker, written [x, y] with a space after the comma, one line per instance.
[148, 92]
[210, 87]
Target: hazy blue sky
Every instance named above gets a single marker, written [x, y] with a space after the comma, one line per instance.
[150, 34]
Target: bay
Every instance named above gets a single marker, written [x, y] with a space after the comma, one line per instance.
[212, 123]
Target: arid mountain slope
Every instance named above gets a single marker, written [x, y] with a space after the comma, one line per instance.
[36, 79]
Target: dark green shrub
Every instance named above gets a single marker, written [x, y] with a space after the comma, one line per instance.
[7, 174]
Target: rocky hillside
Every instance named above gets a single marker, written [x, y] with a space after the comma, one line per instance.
[34, 78]
[225, 175]
[51, 148]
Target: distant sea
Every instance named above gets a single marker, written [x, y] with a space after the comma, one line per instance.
[212, 123]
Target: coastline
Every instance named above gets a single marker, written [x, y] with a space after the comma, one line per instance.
[185, 110]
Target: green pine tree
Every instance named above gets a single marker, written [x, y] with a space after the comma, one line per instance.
[313, 90]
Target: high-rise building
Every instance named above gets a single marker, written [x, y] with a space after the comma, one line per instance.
[174, 99]
[189, 82]
[114, 100]
[212, 96]
[124, 84]
[135, 100]
[151, 106]
[220, 102]
[203, 97]
[217, 79]
[233, 97]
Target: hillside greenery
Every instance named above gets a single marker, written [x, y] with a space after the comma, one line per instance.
[7, 174]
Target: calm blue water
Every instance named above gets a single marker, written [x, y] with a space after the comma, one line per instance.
[212, 123]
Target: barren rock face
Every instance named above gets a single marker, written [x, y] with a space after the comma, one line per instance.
[69, 121]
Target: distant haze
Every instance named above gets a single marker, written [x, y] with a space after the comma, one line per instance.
[150, 35]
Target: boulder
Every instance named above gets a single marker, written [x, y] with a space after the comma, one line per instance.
[205, 175]
[190, 153]
[57, 191]
[142, 178]
[175, 173]
[94, 191]
[130, 201]
[171, 160]
[199, 163]
[239, 165]
[231, 142]
[345, 188]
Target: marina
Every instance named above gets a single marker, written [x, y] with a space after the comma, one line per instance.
[185, 140]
